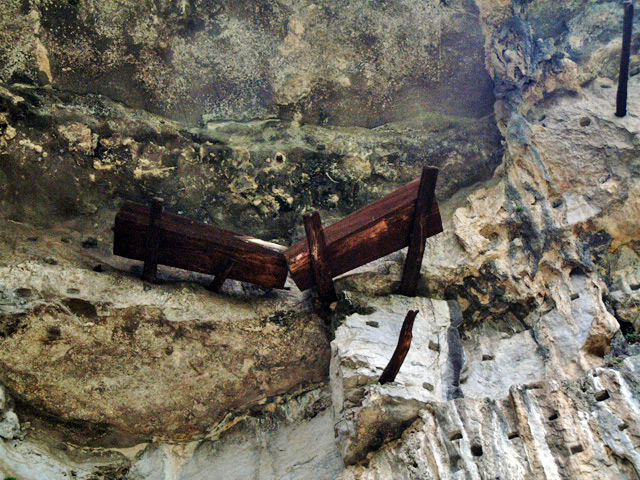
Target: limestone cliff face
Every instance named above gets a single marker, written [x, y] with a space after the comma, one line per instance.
[524, 361]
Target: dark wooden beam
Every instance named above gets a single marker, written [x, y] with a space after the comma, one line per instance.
[419, 231]
[220, 277]
[400, 353]
[623, 79]
[199, 247]
[380, 228]
[319, 263]
[152, 242]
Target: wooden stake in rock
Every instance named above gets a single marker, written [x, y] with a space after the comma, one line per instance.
[152, 245]
[319, 262]
[418, 235]
[220, 277]
[404, 343]
[623, 80]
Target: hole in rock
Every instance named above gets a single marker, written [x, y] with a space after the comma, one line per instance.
[553, 416]
[373, 323]
[635, 286]
[513, 435]
[575, 296]
[602, 395]
[487, 357]
[623, 426]
[585, 121]
[576, 449]
[457, 435]
[434, 346]
[476, 450]
[427, 386]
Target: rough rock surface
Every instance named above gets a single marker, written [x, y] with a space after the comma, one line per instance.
[347, 63]
[525, 355]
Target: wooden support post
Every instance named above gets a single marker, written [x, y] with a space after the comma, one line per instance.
[220, 277]
[319, 264]
[404, 342]
[152, 244]
[418, 234]
[623, 79]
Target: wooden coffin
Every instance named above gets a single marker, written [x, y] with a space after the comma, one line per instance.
[191, 245]
[372, 232]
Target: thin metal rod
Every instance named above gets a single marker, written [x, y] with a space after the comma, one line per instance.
[623, 80]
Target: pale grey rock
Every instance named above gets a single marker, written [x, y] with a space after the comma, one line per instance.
[294, 448]
[9, 425]
[586, 428]
[368, 413]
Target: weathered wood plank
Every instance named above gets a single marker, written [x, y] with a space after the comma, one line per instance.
[400, 353]
[221, 276]
[152, 242]
[319, 263]
[623, 78]
[199, 247]
[418, 235]
[372, 232]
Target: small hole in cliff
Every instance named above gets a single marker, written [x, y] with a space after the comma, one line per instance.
[513, 435]
[602, 395]
[476, 450]
[24, 292]
[486, 358]
[373, 324]
[280, 158]
[575, 296]
[427, 386]
[585, 121]
[576, 449]
[557, 203]
[553, 416]
[457, 435]
[635, 286]
[434, 346]
[623, 426]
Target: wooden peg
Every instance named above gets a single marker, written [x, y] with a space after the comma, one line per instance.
[221, 276]
[152, 244]
[623, 79]
[418, 234]
[319, 262]
[400, 353]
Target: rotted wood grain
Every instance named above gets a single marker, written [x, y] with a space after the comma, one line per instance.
[400, 353]
[191, 245]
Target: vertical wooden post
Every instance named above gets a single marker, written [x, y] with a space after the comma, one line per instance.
[319, 264]
[418, 235]
[623, 79]
[152, 244]
[221, 276]
[400, 353]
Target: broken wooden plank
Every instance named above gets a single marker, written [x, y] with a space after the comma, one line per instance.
[221, 276]
[372, 232]
[623, 78]
[418, 235]
[152, 242]
[400, 353]
[196, 246]
[316, 243]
